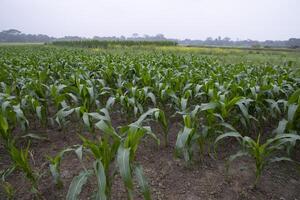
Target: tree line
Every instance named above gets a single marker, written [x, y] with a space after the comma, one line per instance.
[13, 35]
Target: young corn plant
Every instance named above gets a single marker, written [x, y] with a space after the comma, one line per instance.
[5, 132]
[111, 148]
[9, 190]
[103, 153]
[55, 164]
[87, 95]
[6, 137]
[159, 116]
[276, 108]
[18, 156]
[290, 123]
[38, 108]
[21, 119]
[21, 160]
[262, 153]
[129, 105]
[293, 115]
[62, 117]
[186, 139]
[130, 137]
[225, 105]
[86, 118]
[7, 187]
[194, 132]
[142, 95]
[57, 94]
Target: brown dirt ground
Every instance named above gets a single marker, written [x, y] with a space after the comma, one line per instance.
[169, 177]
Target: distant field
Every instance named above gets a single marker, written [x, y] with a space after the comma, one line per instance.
[225, 54]
[19, 43]
[248, 48]
[248, 55]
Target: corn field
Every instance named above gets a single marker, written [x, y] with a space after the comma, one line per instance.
[112, 106]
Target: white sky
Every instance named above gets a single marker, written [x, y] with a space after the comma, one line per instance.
[195, 19]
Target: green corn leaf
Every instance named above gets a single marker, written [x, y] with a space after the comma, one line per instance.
[55, 174]
[110, 102]
[20, 116]
[244, 110]
[86, 120]
[281, 127]
[183, 144]
[228, 134]
[123, 156]
[295, 97]
[19, 112]
[237, 155]
[278, 137]
[107, 128]
[39, 112]
[77, 184]
[145, 115]
[91, 92]
[182, 138]
[208, 106]
[101, 180]
[228, 126]
[97, 116]
[35, 136]
[106, 114]
[73, 97]
[291, 112]
[183, 104]
[152, 97]
[147, 130]
[232, 102]
[79, 152]
[3, 124]
[140, 107]
[195, 111]
[67, 113]
[6, 172]
[4, 106]
[187, 120]
[143, 182]
[160, 116]
[280, 159]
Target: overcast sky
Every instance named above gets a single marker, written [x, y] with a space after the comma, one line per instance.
[195, 19]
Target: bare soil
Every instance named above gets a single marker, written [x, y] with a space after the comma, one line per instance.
[170, 178]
